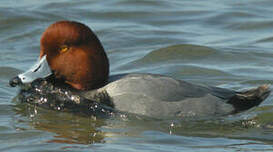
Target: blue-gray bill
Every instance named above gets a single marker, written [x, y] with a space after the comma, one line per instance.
[40, 69]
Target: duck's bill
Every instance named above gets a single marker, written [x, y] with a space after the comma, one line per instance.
[40, 69]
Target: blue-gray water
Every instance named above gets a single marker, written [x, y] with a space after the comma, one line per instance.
[223, 43]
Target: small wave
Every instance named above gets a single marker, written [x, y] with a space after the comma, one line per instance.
[178, 52]
[8, 72]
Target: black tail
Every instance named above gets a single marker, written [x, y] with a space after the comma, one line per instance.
[250, 98]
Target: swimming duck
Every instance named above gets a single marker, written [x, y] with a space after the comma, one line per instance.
[73, 54]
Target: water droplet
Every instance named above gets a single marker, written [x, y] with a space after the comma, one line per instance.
[171, 128]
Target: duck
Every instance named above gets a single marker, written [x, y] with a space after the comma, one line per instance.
[72, 53]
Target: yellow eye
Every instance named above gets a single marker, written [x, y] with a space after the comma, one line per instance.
[63, 49]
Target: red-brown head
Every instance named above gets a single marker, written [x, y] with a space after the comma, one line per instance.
[75, 55]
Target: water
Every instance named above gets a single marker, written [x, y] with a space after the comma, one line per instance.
[221, 43]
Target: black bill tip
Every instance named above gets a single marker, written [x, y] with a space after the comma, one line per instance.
[15, 81]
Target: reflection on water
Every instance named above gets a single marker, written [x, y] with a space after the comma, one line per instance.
[67, 127]
[70, 128]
